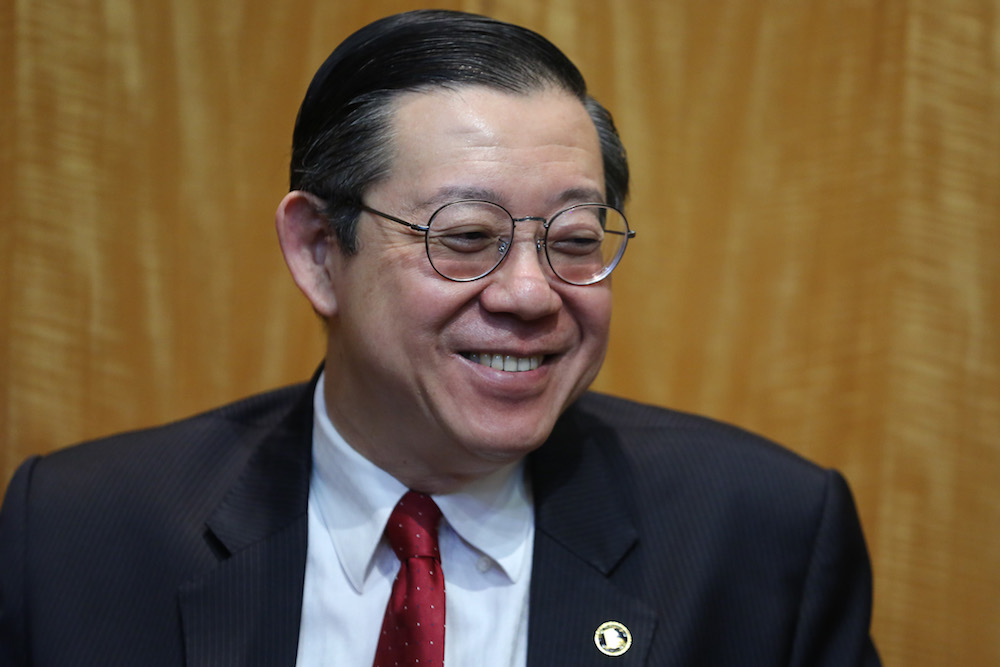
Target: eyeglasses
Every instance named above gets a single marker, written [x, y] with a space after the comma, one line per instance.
[466, 240]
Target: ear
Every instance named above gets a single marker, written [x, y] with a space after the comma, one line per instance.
[303, 232]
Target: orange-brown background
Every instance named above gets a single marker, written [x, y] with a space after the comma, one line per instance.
[817, 194]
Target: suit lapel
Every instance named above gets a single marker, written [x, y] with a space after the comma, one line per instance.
[246, 611]
[584, 532]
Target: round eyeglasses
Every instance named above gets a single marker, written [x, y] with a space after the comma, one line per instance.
[466, 240]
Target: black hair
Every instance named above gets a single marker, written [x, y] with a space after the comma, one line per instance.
[341, 144]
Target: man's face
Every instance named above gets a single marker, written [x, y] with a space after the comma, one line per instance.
[403, 386]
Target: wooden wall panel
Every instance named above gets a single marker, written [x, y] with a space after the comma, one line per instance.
[816, 189]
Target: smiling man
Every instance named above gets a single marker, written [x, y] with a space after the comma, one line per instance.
[445, 489]
[471, 374]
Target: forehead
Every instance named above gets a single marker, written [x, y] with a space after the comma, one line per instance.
[480, 139]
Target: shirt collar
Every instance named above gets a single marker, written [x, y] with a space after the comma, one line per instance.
[494, 515]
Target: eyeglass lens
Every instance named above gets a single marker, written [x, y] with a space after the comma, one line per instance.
[466, 240]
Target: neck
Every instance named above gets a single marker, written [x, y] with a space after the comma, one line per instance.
[432, 477]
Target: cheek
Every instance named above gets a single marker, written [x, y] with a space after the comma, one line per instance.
[411, 310]
[592, 311]
[384, 277]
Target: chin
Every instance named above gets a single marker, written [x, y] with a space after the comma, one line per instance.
[506, 445]
[506, 431]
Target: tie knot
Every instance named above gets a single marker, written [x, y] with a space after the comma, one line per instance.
[413, 527]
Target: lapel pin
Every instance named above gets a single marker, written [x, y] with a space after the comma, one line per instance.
[612, 638]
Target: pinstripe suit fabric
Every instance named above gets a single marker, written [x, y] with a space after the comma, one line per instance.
[185, 545]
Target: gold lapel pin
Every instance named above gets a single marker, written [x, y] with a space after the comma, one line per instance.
[612, 638]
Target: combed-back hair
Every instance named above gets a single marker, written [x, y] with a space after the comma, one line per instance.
[342, 139]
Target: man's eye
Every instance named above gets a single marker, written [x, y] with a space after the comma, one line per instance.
[576, 239]
[465, 239]
[578, 245]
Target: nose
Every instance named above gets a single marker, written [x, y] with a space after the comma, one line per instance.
[523, 284]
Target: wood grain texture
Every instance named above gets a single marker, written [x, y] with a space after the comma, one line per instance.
[816, 190]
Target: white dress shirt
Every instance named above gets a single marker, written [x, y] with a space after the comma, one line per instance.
[486, 539]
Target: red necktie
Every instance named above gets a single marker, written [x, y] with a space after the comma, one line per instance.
[413, 627]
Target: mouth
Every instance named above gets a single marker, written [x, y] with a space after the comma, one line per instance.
[505, 362]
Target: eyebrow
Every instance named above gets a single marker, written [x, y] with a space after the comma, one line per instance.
[457, 192]
[580, 196]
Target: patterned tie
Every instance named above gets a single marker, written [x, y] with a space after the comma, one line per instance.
[413, 627]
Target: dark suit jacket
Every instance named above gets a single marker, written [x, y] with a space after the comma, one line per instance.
[185, 545]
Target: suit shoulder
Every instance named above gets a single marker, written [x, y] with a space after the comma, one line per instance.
[259, 411]
[676, 468]
[186, 455]
[663, 437]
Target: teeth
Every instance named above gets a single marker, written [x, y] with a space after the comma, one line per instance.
[507, 362]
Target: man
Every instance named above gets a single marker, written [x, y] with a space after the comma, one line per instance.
[453, 218]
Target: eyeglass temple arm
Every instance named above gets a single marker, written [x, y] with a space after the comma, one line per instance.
[392, 218]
